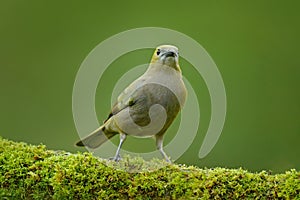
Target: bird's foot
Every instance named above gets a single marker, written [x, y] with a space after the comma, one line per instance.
[117, 158]
[168, 160]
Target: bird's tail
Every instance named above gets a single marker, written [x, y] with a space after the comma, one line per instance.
[96, 138]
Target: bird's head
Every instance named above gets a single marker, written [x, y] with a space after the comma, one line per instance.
[166, 55]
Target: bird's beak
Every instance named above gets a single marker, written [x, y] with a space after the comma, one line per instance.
[170, 54]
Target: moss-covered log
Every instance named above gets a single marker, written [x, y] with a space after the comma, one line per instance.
[33, 172]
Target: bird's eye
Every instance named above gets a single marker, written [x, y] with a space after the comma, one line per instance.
[158, 52]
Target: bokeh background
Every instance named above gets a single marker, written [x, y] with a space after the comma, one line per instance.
[254, 44]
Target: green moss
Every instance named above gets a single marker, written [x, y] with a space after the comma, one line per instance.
[33, 172]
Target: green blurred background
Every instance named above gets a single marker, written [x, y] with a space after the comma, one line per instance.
[254, 44]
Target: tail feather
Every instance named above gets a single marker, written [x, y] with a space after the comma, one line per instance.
[96, 138]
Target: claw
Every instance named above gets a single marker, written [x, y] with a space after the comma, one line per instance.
[117, 158]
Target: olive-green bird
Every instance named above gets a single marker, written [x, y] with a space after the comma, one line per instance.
[148, 106]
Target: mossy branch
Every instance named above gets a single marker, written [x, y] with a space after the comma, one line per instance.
[33, 172]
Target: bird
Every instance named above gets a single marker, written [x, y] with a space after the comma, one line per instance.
[148, 106]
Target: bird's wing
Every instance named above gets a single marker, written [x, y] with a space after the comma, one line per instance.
[126, 99]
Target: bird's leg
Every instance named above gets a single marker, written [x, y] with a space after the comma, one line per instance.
[122, 139]
[159, 146]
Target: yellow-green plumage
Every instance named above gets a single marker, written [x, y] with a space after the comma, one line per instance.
[162, 85]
